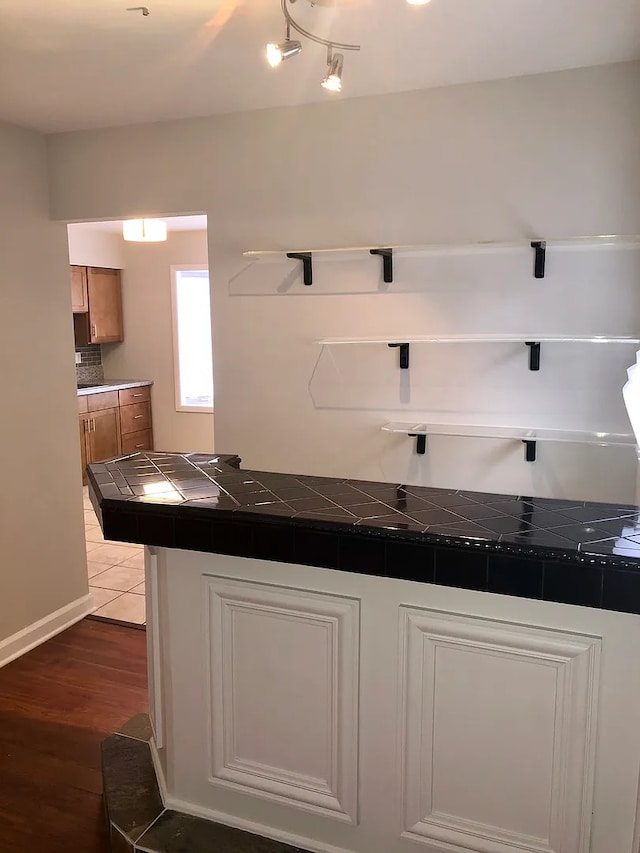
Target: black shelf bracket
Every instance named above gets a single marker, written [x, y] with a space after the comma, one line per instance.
[307, 270]
[387, 262]
[404, 355]
[421, 442]
[540, 247]
[534, 355]
[529, 450]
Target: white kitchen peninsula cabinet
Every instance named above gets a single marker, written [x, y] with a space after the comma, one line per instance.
[349, 713]
[379, 706]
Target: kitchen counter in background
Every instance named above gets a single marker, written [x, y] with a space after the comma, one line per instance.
[115, 419]
[112, 385]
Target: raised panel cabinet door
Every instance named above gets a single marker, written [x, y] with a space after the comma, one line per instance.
[498, 734]
[283, 695]
[104, 435]
[84, 420]
[105, 305]
[79, 301]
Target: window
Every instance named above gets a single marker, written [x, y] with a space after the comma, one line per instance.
[193, 361]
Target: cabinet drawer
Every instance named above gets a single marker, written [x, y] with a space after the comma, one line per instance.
[142, 440]
[103, 400]
[135, 418]
[128, 396]
[82, 404]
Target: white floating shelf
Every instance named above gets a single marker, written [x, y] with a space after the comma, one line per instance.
[485, 339]
[603, 439]
[525, 242]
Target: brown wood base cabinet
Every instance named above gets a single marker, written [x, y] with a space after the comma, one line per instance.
[114, 423]
[135, 419]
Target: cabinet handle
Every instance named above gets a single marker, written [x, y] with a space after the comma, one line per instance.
[136, 395]
[137, 417]
[139, 445]
[94, 331]
[93, 424]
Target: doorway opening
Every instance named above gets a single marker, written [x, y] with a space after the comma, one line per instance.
[144, 370]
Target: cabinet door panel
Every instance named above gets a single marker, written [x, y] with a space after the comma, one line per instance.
[104, 435]
[81, 329]
[79, 302]
[84, 420]
[481, 701]
[105, 305]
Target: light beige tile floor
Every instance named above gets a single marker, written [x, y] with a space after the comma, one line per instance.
[116, 573]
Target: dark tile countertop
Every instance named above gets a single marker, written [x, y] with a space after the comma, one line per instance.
[573, 552]
[114, 385]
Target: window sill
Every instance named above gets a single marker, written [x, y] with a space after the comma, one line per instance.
[201, 410]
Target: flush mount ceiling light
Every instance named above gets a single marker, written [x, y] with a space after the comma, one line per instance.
[276, 53]
[144, 230]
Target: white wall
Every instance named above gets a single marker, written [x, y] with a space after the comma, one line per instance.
[147, 350]
[42, 559]
[548, 155]
[91, 248]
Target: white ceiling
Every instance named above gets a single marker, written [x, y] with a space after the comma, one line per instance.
[174, 223]
[71, 64]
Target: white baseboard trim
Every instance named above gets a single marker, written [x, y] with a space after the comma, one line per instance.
[249, 826]
[23, 641]
[157, 764]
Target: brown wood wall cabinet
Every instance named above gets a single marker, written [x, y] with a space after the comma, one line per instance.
[96, 296]
[114, 422]
[79, 298]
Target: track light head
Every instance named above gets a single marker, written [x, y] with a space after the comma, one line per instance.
[333, 78]
[276, 53]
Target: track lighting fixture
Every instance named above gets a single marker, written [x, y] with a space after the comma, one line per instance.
[276, 53]
[333, 78]
[290, 47]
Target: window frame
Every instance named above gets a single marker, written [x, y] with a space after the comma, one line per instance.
[175, 270]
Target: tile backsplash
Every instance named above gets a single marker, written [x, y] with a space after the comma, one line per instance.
[90, 368]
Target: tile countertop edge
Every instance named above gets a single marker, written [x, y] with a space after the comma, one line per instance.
[530, 570]
[113, 386]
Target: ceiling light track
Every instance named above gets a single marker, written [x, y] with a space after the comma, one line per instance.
[334, 45]
[277, 53]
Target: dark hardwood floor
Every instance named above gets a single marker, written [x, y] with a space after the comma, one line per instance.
[56, 704]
